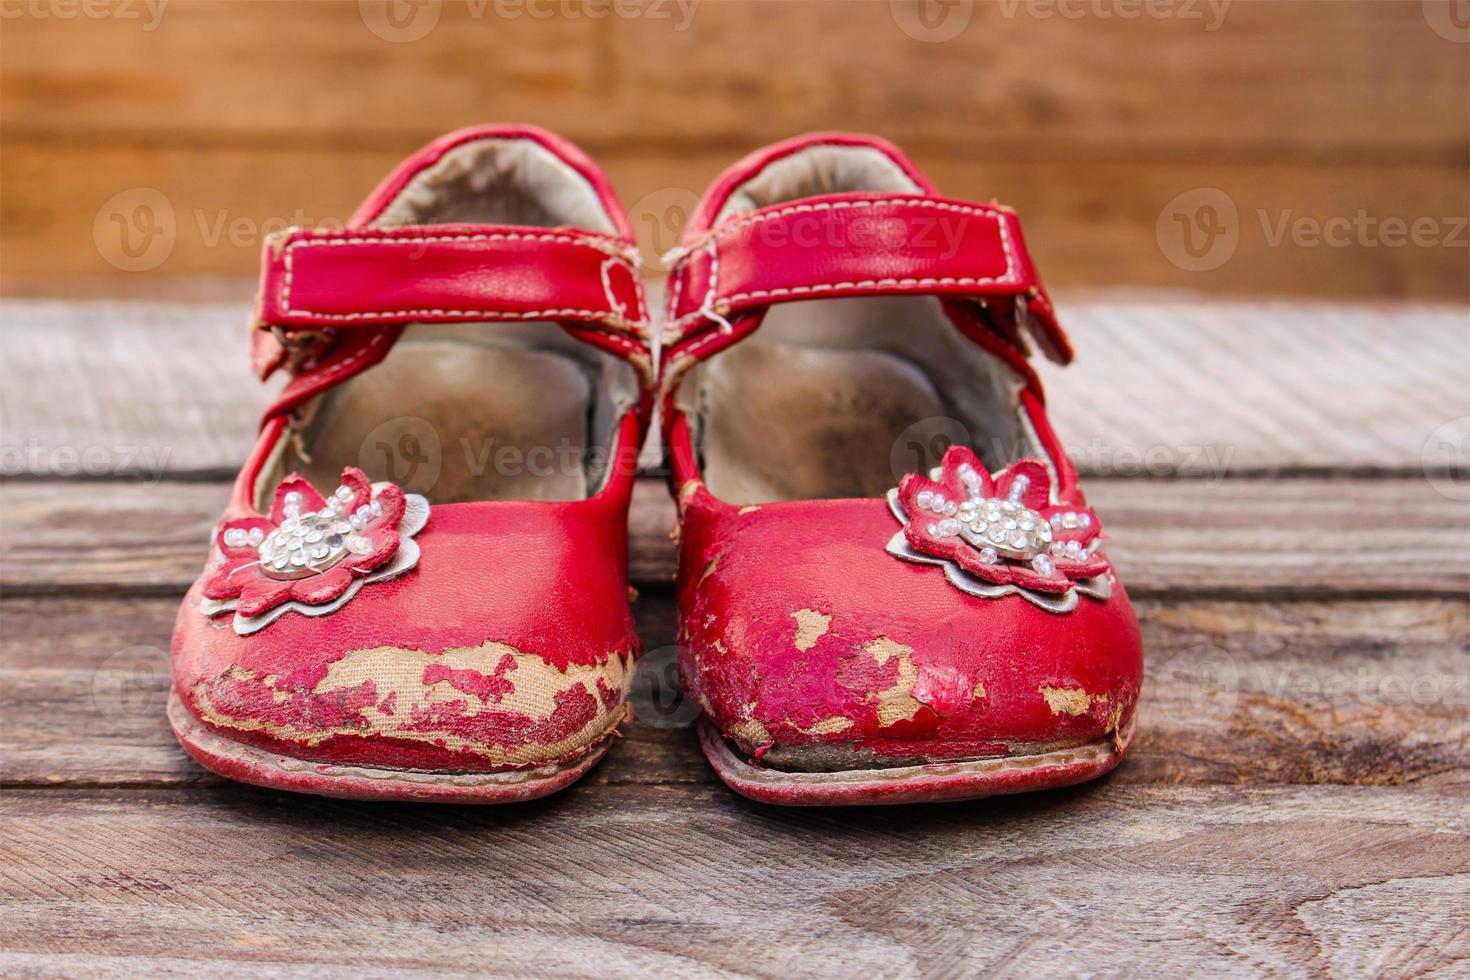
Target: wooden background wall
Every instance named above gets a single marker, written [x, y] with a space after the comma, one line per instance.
[1090, 116]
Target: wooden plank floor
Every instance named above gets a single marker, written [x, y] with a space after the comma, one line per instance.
[1297, 802]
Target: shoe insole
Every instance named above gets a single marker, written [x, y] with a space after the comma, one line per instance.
[787, 421]
[458, 421]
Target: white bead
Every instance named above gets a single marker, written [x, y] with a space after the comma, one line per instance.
[236, 537]
[1043, 564]
[989, 555]
[1057, 549]
[294, 497]
[924, 499]
[256, 535]
[343, 493]
[359, 545]
[357, 522]
[1084, 519]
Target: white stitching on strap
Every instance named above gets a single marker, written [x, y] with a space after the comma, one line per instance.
[712, 309]
[989, 210]
[707, 307]
[615, 318]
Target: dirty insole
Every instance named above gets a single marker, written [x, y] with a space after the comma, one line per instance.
[457, 422]
[792, 422]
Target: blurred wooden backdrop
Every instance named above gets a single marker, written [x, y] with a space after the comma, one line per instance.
[1090, 116]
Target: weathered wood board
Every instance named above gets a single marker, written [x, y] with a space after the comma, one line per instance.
[1161, 387]
[1297, 801]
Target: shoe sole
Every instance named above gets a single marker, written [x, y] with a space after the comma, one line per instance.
[258, 767]
[936, 782]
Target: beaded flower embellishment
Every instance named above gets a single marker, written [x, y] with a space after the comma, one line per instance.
[999, 535]
[312, 554]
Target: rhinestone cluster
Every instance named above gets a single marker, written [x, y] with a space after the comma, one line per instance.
[997, 528]
[310, 543]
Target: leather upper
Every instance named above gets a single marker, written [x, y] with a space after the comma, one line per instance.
[506, 641]
[803, 638]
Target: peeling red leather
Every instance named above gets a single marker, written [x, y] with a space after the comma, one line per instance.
[797, 627]
[510, 643]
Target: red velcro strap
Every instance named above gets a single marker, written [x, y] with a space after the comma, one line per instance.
[859, 245]
[314, 279]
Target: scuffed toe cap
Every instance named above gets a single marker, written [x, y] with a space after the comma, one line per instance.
[811, 648]
[503, 649]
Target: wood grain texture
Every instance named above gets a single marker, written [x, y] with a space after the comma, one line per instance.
[1295, 538]
[1292, 74]
[1088, 223]
[1370, 693]
[694, 881]
[1332, 109]
[1161, 387]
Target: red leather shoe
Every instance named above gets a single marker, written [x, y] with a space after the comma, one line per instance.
[419, 587]
[857, 627]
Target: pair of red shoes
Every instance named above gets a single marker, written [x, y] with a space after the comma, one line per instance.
[436, 607]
